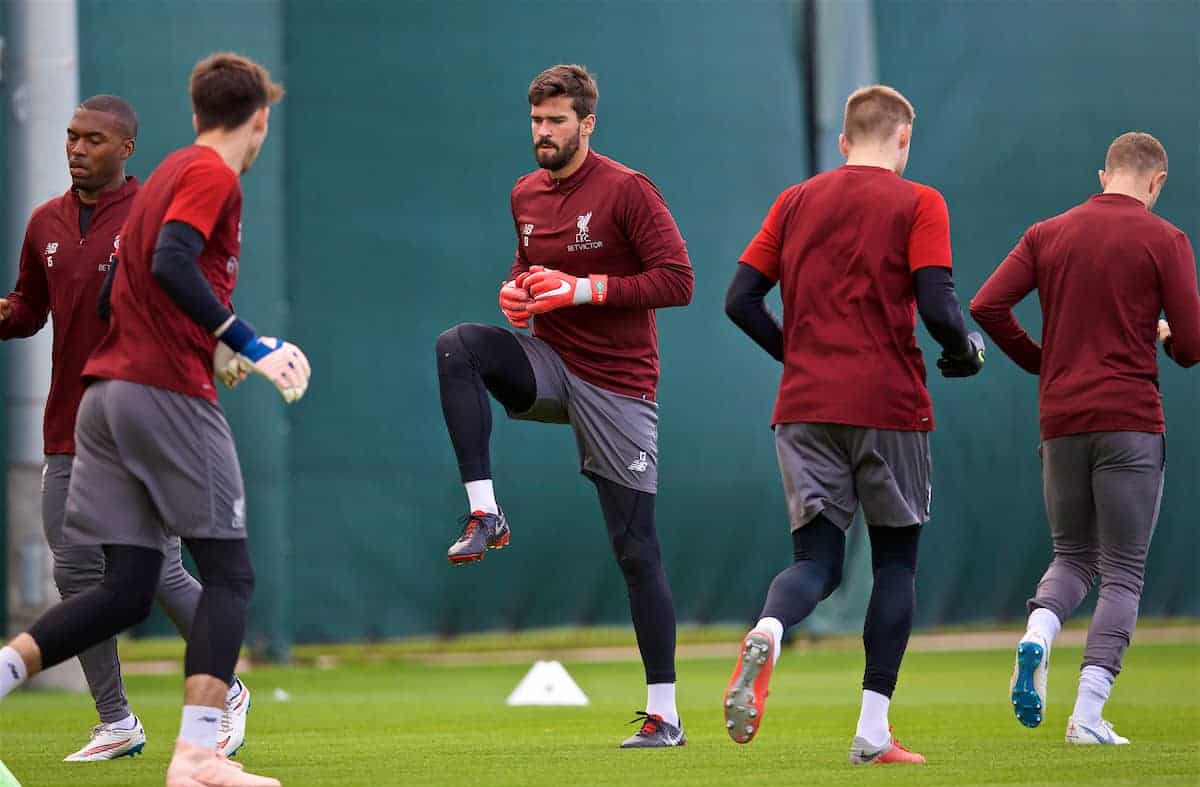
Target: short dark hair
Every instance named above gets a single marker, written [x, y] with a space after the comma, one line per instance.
[566, 80]
[228, 88]
[1137, 151]
[116, 106]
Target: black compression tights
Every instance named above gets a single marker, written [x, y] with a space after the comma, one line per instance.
[122, 599]
[220, 623]
[473, 360]
[819, 550]
[629, 515]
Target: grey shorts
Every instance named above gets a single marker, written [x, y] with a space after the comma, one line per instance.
[832, 469]
[617, 435]
[151, 464]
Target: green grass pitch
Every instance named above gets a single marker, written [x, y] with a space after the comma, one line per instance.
[401, 723]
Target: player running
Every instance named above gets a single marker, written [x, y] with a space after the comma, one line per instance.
[597, 253]
[155, 457]
[70, 247]
[853, 250]
[1104, 272]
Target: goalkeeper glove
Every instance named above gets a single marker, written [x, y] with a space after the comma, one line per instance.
[553, 289]
[514, 302]
[967, 364]
[280, 362]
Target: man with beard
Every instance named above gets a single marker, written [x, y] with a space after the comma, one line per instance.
[597, 252]
[155, 455]
[69, 251]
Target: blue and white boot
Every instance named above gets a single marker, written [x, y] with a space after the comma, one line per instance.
[1030, 674]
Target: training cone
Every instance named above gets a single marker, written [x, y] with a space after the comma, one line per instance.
[6, 777]
[547, 683]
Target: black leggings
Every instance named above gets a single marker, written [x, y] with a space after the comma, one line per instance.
[472, 361]
[629, 516]
[125, 595]
[819, 551]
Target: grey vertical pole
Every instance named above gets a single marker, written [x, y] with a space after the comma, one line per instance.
[42, 77]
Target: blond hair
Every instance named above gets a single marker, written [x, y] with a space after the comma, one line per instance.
[1137, 151]
[875, 112]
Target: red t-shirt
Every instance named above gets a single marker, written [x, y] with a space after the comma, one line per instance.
[150, 340]
[1104, 271]
[604, 218]
[843, 246]
[60, 275]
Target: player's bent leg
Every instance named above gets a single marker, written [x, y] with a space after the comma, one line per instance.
[123, 599]
[474, 360]
[885, 638]
[818, 549]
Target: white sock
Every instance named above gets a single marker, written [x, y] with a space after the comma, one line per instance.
[12, 670]
[872, 719]
[199, 725]
[127, 723]
[774, 627]
[1095, 683]
[1044, 623]
[660, 701]
[235, 689]
[481, 496]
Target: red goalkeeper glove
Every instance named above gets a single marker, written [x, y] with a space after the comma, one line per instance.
[514, 302]
[553, 289]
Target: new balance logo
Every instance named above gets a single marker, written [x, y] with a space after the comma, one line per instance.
[13, 671]
[641, 464]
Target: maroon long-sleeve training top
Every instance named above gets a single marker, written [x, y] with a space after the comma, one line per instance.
[60, 275]
[604, 219]
[1104, 271]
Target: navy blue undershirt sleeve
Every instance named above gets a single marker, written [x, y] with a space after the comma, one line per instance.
[937, 303]
[176, 268]
[745, 304]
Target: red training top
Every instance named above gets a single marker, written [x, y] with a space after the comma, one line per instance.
[843, 246]
[607, 219]
[60, 274]
[1104, 271]
[150, 340]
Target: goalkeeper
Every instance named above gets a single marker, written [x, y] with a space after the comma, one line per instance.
[597, 252]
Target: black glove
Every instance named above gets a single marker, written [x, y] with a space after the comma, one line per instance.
[967, 364]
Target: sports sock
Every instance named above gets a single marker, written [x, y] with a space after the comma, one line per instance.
[199, 725]
[127, 723]
[481, 496]
[235, 688]
[12, 670]
[873, 718]
[774, 627]
[660, 701]
[1095, 683]
[1045, 624]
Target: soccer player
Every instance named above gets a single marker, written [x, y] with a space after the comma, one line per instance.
[155, 457]
[853, 250]
[597, 253]
[1104, 272]
[70, 246]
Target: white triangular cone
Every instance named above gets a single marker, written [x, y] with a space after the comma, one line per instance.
[547, 683]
